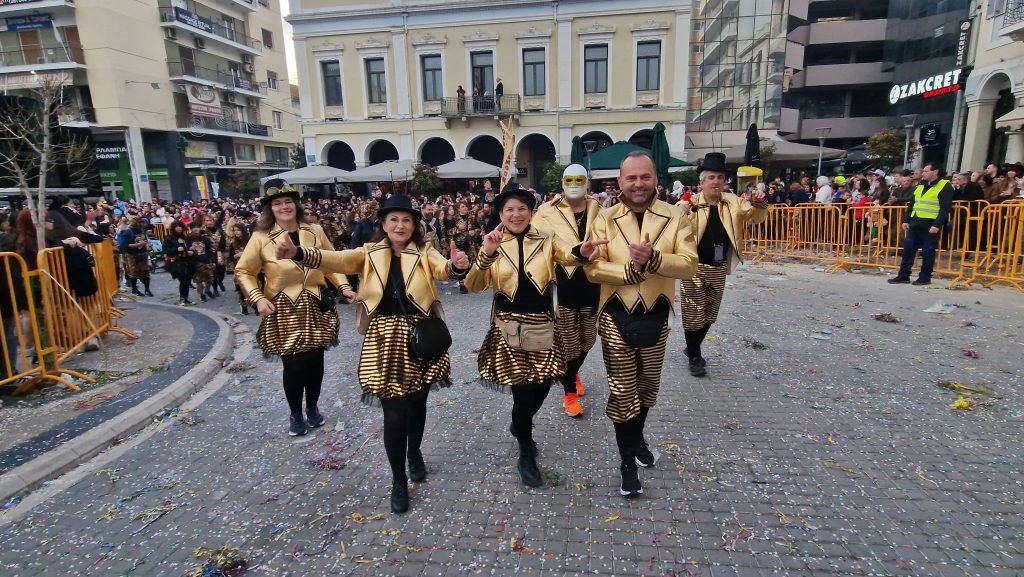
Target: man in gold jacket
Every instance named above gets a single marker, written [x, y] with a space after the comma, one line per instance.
[570, 216]
[719, 218]
[650, 245]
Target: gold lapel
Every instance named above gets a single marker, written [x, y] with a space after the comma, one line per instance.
[561, 206]
[410, 260]
[533, 245]
[593, 209]
[654, 224]
[510, 248]
[626, 223]
[380, 262]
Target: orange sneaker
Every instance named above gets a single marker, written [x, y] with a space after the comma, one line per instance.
[572, 405]
[580, 389]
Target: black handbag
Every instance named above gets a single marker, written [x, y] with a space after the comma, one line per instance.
[639, 331]
[328, 298]
[429, 338]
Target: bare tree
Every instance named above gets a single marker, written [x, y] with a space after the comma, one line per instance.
[32, 146]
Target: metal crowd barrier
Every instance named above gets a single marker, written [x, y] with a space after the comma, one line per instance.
[981, 242]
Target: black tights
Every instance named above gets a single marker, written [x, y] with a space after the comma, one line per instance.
[526, 401]
[630, 434]
[572, 368]
[184, 283]
[219, 272]
[133, 281]
[303, 372]
[694, 339]
[404, 419]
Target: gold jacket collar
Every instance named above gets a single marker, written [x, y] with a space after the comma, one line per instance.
[727, 213]
[379, 255]
[656, 219]
[565, 227]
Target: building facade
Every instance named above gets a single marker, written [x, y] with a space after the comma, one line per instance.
[180, 97]
[994, 95]
[405, 80]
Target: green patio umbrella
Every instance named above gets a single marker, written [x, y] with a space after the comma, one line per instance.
[610, 158]
[577, 154]
[659, 152]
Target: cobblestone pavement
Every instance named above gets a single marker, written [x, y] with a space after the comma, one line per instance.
[819, 444]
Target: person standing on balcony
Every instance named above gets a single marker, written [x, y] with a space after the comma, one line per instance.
[461, 96]
[499, 89]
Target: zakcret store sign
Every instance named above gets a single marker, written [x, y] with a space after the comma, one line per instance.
[928, 87]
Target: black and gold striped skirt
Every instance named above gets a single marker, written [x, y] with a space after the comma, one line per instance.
[502, 366]
[297, 327]
[387, 370]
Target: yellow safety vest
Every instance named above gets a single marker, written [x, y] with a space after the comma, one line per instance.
[926, 202]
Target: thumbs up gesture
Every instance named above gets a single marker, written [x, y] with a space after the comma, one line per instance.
[590, 249]
[458, 258]
[641, 253]
[285, 248]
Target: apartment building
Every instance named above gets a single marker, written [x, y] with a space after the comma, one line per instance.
[180, 97]
[994, 95]
[418, 81]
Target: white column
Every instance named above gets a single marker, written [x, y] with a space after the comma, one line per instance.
[401, 71]
[305, 87]
[979, 127]
[137, 159]
[309, 143]
[1014, 146]
[564, 144]
[680, 65]
[405, 151]
[565, 69]
[677, 138]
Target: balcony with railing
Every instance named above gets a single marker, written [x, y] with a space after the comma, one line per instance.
[33, 57]
[224, 79]
[480, 105]
[206, 124]
[1013, 20]
[246, 5]
[9, 9]
[210, 27]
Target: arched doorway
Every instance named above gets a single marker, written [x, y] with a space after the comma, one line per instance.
[643, 138]
[533, 154]
[436, 151]
[340, 155]
[600, 139]
[487, 149]
[381, 151]
[998, 87]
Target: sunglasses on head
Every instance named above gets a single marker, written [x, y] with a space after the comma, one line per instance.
[574, 180]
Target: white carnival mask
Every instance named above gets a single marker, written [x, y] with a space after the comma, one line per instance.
[575, 181]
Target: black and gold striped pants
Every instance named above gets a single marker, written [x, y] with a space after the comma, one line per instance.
[634, 375]
[578, 330]
[701, 296]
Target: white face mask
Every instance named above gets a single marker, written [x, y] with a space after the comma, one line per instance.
[577, 188]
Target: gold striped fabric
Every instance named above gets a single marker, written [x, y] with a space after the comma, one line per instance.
[701, 296]
[297, 327]
[135, 265]
[501, 366]
[204, 273]
[387, 371]
[634, 375]
[578, 330]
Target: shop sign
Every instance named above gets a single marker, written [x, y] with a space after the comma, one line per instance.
[111, 152]
[192, 19]
[203, 101]
[32, 22]
[963, 43]
[927, 88]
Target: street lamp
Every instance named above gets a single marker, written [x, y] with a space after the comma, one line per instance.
[822, 135]
[589, 146]
[909, 120]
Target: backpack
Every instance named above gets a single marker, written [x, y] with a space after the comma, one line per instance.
[81, 274]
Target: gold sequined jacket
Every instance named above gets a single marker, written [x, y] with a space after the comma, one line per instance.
[372, 262]
[556, 217]
[540, 253]
[285, 276]
[674, 256]
[735, 213]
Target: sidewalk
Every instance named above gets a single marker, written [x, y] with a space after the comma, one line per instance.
[823, 443]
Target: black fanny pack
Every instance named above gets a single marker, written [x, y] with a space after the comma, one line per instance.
[640, 331]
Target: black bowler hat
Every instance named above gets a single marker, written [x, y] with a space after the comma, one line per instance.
[713, 161]
[276, 187]
[514, 190]
[398, 202]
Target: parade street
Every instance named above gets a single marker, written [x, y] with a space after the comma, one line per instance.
[823, 441]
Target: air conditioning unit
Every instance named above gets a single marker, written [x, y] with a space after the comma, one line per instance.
[246, 59]
[248, 67]
[222, 160]
[250, 101]
[200, 42]
[229, 97]
[170, 33]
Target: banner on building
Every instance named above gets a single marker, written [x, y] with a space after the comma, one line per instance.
[32, 22]
[963, 43]
[192, 19]
[201, 187]
[203, 101]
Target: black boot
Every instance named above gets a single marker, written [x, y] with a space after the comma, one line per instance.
[399, 497]
[641, 452]
[630, 487]
[417, 468]
[145, 283]
[529, 472]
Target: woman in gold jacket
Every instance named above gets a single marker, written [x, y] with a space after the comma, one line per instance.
[298, 321]
[522, 351]
[396, 290]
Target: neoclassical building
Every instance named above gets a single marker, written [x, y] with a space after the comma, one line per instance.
[410, 80]
[995, 89]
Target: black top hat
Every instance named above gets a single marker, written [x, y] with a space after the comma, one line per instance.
[713, 161]
[276, 187]
[514, 190]
[398, 202]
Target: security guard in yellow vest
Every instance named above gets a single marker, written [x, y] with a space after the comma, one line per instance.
[922, 222]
